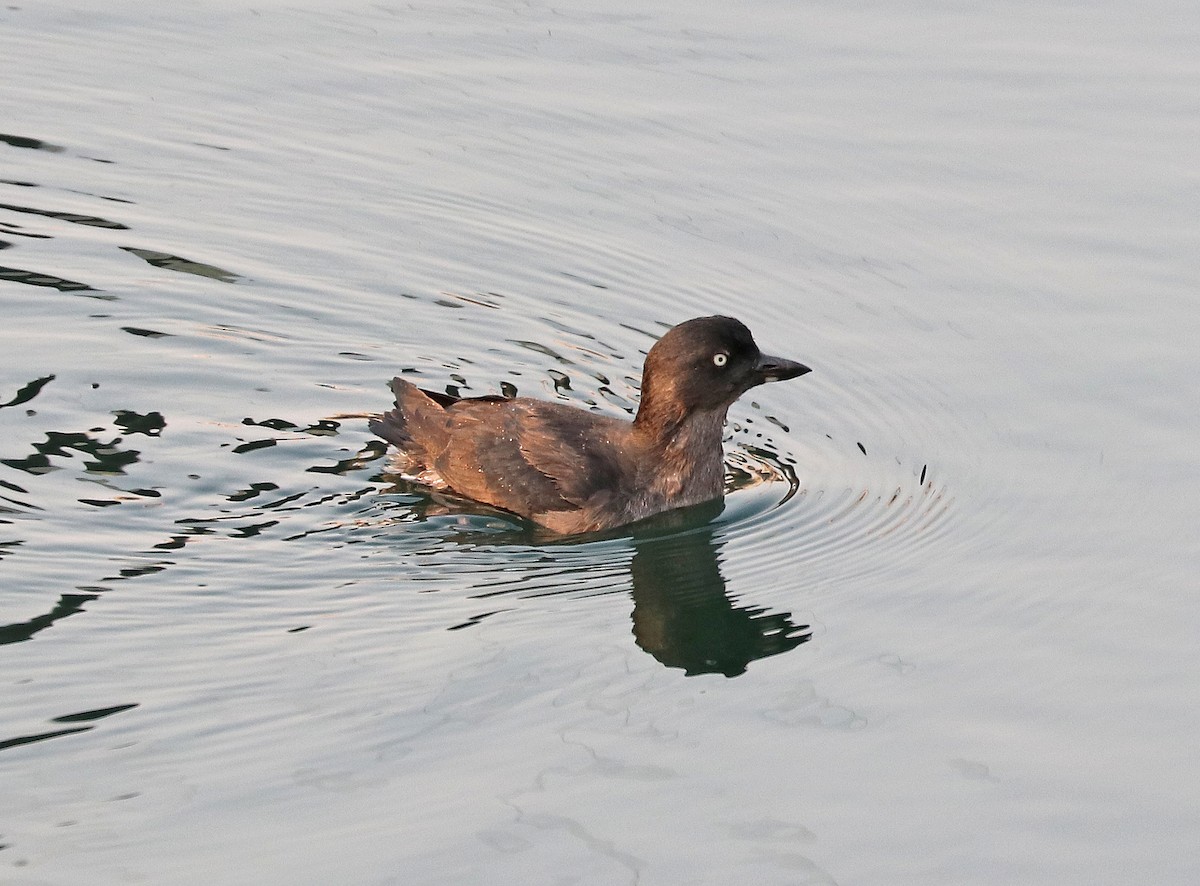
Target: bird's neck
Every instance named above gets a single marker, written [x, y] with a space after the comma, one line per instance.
[688, 451]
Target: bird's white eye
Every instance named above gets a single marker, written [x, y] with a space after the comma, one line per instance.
[720, 358]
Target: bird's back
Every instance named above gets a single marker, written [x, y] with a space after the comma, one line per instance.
[563, 467]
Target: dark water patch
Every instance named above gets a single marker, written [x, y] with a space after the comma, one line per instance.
[372, 451]
[150, 424]
[145, 333]
[182, 265]
[18, 507]
[40, 736]
[282, 503]
[562, 381]
[19, 231]
[194, 529]
[481, 300]
[127, 572]
[323, 428]
[253, 491]
[25, 184]
[80, 717]
[122, 496]
[28, 391]
[106, 458]
[275, 424]
[97, 714]
[68, 604]
[476, 619]
[103, 458]
[50, 281]
[33, 144]
[31, 464]
[75, 218]
[253, 445]
[251, 530]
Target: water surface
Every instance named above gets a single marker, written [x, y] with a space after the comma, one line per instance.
[941, 630]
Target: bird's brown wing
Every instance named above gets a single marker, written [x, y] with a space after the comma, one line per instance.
[531, 456]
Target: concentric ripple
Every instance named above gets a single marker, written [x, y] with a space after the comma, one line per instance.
[848, 471]
[881, 483]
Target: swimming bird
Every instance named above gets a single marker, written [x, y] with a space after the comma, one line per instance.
[572, 471]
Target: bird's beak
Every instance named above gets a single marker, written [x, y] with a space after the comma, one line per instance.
[777, 369]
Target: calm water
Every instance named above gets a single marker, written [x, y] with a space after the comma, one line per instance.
[943, 629]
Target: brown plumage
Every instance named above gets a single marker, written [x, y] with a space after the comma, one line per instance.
[571, 470]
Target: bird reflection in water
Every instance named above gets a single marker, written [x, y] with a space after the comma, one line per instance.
[682, 613]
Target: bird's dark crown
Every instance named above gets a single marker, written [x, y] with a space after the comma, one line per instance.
[701, 364]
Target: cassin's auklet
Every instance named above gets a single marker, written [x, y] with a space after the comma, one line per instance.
[570, 470]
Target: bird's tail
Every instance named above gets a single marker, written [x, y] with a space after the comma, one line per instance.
[416, 425]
